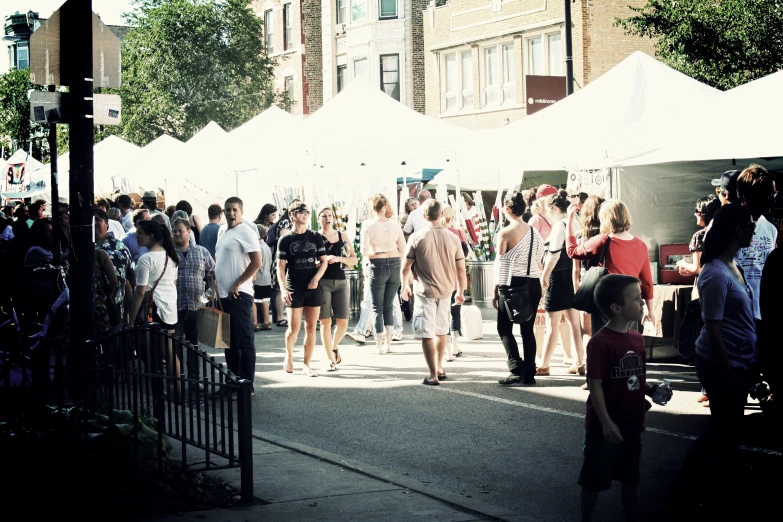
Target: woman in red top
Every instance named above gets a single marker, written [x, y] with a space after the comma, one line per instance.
[625, 253]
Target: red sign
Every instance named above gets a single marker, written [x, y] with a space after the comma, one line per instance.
[543, 91]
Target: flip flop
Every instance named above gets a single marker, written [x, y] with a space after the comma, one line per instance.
[442, 376]
[337, 357]
[282, 323]
[429, 382]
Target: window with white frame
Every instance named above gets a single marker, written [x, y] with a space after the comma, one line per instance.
[545, 55]
[22, 57]
[457, 82]
[387, 9]
[466, 73]
[360, 68]
[341, 77]
[491, 77]
[509, 79]
[555, 54]
[342, 11]
[269, 31]
[287, 28]
[358, 10]
[289, 89]
[390, 75]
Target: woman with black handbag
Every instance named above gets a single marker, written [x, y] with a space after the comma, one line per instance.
[518, 289]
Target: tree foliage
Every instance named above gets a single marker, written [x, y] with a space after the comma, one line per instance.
[15, 125]
[723, 43]
[189, 62]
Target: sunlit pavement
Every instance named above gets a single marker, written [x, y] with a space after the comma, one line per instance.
[517, 447]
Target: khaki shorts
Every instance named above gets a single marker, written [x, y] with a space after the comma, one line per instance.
[431, 316]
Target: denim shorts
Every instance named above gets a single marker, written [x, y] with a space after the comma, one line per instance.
[335, 297]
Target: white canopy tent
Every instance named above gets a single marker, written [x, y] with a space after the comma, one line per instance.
[723, 133]
[22, 177]
[154, 164]
[110, 156]
[619, 114]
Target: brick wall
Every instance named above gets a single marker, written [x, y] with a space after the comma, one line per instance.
[418, 67]
[605, 45]
[312, 60]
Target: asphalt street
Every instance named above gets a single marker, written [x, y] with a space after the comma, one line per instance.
[517, 447]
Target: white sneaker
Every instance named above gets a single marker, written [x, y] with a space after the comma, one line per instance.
[397, 337]
[355, 337]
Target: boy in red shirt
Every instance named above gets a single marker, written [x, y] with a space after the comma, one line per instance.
[616, 377]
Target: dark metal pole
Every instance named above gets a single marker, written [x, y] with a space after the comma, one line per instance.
[569, 50]
[76, 47]
[55, 193]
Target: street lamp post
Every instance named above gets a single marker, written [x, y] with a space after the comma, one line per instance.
[569, 50]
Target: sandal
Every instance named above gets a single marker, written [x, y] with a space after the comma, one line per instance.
[288, 366]
[282, 323]
[257, 327]
[307, 372]
[332, 367]
[337, 357]
[542, 371]
[265, 326]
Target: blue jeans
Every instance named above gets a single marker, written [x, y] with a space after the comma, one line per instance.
[384, 283]
[363, 324]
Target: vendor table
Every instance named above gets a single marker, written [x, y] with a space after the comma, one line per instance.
[669, 303]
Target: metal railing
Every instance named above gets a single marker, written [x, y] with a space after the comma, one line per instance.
[138, 370]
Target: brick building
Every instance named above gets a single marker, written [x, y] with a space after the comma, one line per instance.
[292, 33]
[380, 40]
[477, 53]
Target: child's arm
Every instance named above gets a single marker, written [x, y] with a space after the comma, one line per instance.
[610, 429]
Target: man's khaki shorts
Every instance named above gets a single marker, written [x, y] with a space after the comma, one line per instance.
[431, 316]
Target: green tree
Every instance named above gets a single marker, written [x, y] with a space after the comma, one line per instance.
[189, 62]
[723, 43]
[16, 129]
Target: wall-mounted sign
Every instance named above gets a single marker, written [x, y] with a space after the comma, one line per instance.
[543, 91]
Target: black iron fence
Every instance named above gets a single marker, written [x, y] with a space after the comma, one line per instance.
[155, 385]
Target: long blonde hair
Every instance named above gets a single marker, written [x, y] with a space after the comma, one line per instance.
[378, 202]
[589, 221]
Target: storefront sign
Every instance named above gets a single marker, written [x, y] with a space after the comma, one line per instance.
[543, 91]
[16, 178]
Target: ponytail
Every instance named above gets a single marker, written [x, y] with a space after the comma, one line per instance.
[162, 235]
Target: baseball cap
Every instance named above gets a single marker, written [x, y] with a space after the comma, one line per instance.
[545, 190]
[728, 181]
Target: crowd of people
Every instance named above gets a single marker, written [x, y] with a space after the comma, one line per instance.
[160, 266]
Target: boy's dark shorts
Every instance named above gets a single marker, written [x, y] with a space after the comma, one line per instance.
[302, 298]
[605, 461]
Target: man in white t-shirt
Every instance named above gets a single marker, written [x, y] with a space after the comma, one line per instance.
[416, 220]
[237, 259]
[756, 190]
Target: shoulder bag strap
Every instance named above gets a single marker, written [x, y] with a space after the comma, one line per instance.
[530, 254]
[602, 259]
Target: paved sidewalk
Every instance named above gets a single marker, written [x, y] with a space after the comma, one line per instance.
[297, 482]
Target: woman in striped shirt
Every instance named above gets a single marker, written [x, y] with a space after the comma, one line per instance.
[518, 262]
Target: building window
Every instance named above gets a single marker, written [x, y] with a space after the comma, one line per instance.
[466, 73]
[340, 78]
[545, 55]
[509, 80]
[268, 31]
[22, 57]
[287, 28]
[491, 77]
[555, 54]
[388, 9]
[289, 90]
[360, 67]
[358, 10]
[390, 75]
[535, 57]
[342, 11]
[457, 82]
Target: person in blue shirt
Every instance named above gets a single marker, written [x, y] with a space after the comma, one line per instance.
[209, 233]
